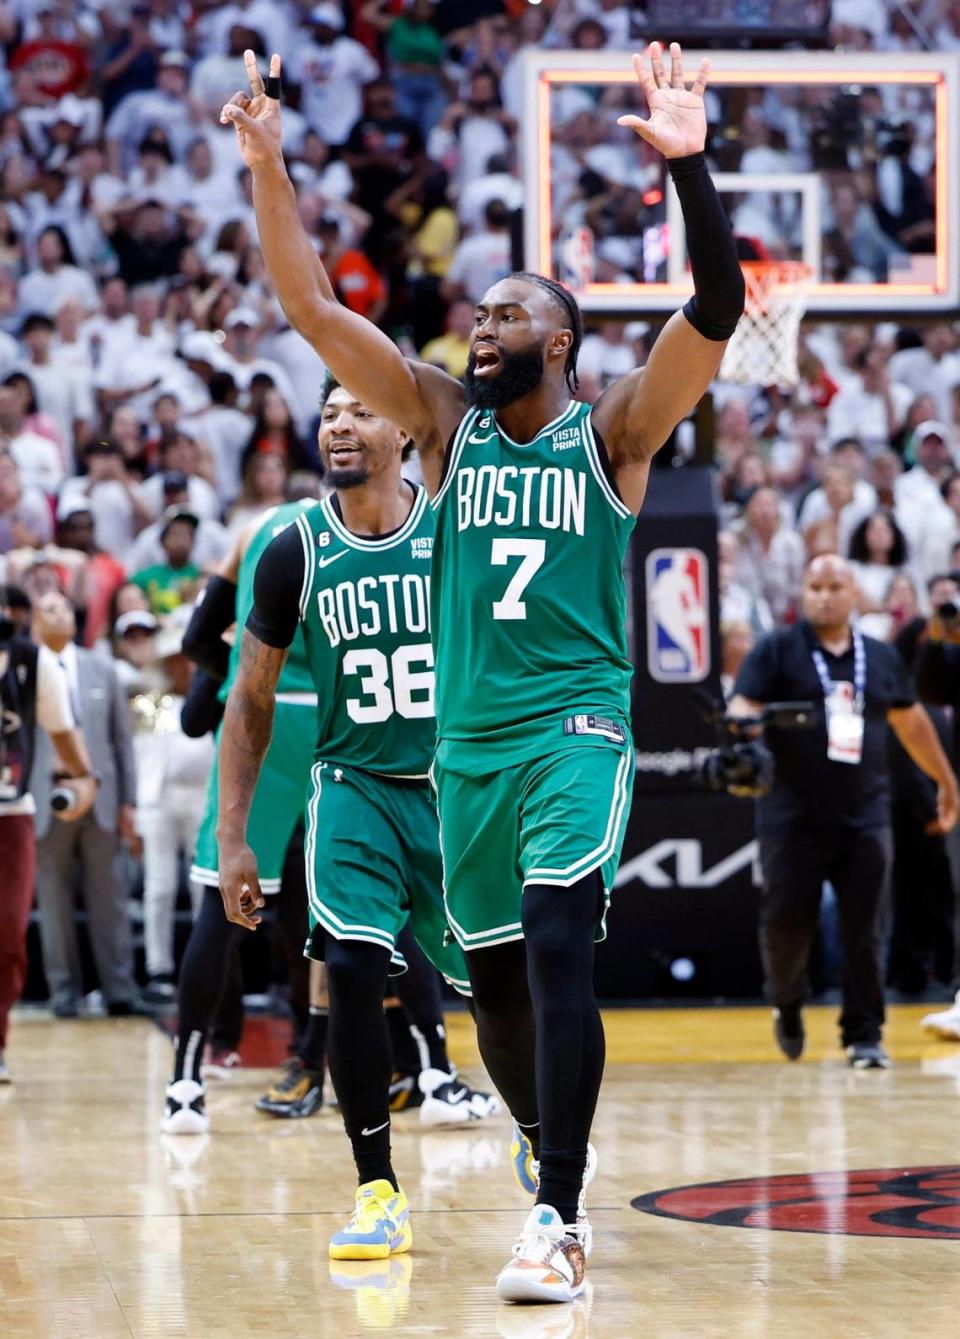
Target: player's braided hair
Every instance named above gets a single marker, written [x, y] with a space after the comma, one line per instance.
[570, 308]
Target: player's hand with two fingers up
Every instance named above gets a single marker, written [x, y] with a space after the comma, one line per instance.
[677, 124]
[240, 884]
[256, 116]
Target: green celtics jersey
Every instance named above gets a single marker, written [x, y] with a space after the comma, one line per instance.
[365, 614]
[295, 677]
[529, 604]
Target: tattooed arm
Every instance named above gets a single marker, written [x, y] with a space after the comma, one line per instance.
[244, 740]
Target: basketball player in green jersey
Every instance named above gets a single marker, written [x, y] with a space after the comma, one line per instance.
[535, 496]
[353, 578]
[277, 812]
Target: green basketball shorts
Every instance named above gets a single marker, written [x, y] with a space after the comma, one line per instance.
[278, 801]
[373, 861]
[551, 820]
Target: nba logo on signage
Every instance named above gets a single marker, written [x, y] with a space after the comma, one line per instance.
[678, 616]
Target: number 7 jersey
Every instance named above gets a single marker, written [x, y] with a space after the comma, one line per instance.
[365, 613]
[529, 603]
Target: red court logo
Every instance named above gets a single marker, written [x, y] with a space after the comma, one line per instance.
[890, 1202]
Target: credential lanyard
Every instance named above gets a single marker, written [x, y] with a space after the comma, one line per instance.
[859, 673]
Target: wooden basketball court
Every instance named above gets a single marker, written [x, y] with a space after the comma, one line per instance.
[109, 1229]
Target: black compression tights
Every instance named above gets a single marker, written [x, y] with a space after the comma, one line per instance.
[204, 975]
[358, 1050]
[540, 1031]
[418, 990]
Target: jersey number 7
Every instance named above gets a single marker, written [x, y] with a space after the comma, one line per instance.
[532, 552]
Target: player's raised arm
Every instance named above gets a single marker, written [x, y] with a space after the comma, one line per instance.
[424, 401]
[638, 413]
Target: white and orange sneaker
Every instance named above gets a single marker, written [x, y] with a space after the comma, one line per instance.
[526, 1169]
[548, 1262]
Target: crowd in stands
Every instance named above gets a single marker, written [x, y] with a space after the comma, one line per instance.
[153, 399]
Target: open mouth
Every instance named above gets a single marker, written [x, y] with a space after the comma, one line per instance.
[344, 453]
[486, 360]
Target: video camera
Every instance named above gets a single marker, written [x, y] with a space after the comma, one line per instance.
[949, 615]
[742, 764]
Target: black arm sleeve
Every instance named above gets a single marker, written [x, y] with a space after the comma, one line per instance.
[277, 587]
[202, 709]
[938, 674]
[717, 303]
[203, 640]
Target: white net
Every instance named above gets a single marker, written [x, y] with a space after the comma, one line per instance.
[763, 349]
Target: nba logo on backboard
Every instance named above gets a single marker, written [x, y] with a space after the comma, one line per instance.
[678, 616]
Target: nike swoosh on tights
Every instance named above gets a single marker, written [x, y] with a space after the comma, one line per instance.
[376, 1128]
[325, 562]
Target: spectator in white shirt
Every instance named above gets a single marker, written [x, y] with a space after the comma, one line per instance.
[770, 557]
[332, 71]
[918, 491]
[481, 260]
[110, 495]
[69, 348]
[224, 69]
[179, 460]
[25, 520]
[938, 537]
[133, 367]
[111, 322]
[469, 132]
[167, 105]
[933, 368]
[210, 537]
[208, 192]
[63, 392]
[875, 409]
[241, 346]
[604, 357]
[497, 183]
[37, 458]
[42, 290]
[877, 551]
[225, 429]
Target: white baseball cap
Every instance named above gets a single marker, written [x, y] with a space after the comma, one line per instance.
[331, 16]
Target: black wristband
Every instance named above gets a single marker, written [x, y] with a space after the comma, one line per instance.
[682, 168]
[271, 86]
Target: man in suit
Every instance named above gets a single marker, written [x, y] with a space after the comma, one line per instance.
[94, 841]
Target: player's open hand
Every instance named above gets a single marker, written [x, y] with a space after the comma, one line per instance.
[240, 885]
[677, 124]
[256, 117]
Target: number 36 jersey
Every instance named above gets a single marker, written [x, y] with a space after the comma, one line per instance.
[529, 603]
[363, 606]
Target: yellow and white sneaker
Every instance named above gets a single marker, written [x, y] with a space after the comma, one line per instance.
[381, 1288]
[380, 1225]
[548, 1262]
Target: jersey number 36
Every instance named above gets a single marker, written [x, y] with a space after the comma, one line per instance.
[391, 685]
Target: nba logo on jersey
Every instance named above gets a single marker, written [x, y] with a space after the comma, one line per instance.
[678, 618]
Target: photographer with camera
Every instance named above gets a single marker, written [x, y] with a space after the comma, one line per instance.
[827, 813]
[33, 691]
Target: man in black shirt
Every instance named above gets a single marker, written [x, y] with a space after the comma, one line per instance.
[828, 814]
[937, 669]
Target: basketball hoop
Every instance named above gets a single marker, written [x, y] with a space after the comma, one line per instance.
[763, 348]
